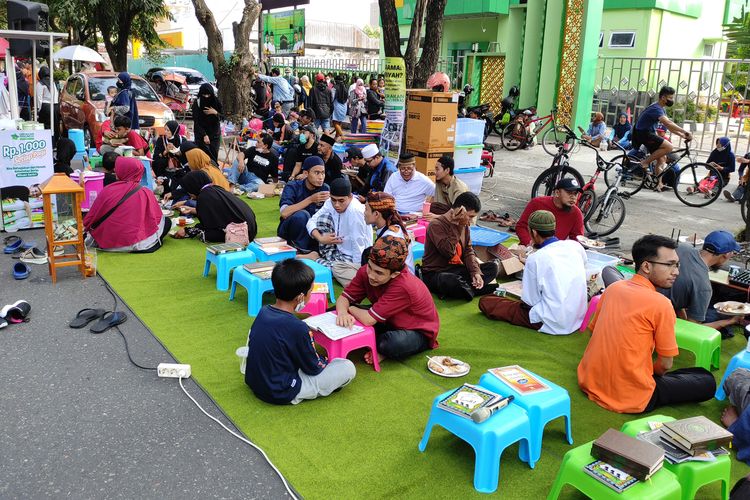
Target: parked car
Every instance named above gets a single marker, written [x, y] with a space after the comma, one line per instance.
[82, 101]
[193, 77]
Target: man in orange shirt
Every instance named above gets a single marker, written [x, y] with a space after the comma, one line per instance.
[632, 321]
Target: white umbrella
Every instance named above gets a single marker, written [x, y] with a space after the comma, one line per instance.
[78, 53]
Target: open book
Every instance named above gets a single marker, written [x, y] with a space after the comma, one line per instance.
[326, 324]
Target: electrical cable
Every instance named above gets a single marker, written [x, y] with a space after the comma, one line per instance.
[230, 431]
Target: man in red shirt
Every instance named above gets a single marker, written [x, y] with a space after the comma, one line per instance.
[562, 203]
[403, 312]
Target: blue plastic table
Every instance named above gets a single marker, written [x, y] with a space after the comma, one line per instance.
[486, 237]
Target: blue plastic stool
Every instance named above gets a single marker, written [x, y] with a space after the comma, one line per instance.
[417, 249]
[224, 263]
[147, 180]
[274, 257]
[322, 275]
[739, 360]
[255, 286]
[542, 407]
[489, 439]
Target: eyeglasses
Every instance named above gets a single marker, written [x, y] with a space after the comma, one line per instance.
[672, 265]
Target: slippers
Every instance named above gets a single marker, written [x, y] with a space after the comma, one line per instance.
[86, 316]
[110, 319]
[16, 312]
[34, 256]
[11, 245]
[21, 271]
[488, 216]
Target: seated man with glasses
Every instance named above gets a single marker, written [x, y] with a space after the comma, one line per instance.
[632, 321]
[691, 293]
[378, 169]
[409, 187]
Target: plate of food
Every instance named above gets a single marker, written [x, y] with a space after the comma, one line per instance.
[445, 366]
[167, 212]
[732, 308]
[589, 243]
[692, 239]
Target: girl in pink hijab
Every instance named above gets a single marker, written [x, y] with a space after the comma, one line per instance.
[126, 217]
[358, 107]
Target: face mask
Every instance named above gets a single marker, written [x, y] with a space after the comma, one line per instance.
[720, 148]
[669, 103]
[299, 307]
[302, 139]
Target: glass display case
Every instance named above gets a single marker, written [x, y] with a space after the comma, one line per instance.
[63, 223]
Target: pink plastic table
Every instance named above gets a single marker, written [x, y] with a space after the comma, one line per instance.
[317, 305]
[342, 347]
[419, 232]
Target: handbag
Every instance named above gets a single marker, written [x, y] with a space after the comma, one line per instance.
[237, 232]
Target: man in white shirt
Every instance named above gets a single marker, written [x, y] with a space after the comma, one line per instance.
[409, 187]
[554, 297]
[341, 232]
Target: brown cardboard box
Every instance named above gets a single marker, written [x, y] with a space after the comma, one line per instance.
[268, 190]
[426, 160]
[430, 120]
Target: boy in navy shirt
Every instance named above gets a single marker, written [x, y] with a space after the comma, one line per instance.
[282, 364]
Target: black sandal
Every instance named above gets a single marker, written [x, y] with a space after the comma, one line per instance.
[86, 316]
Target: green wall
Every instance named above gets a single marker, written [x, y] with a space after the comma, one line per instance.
[550, 67]
[692, 8]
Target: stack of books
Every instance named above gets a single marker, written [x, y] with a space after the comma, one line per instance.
[694, 438]
[467, 399]
[273, 245]
[635, 457]
[262, 270]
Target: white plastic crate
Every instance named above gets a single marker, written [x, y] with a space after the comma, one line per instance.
[469, 156]
[469, 131]
[473, 177]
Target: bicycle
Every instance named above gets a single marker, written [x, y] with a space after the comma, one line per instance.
[587, 199]
[687, 184]
[559, 169]
[516, 134]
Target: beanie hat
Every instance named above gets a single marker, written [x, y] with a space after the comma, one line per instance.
[312, 161]
[389, 252]
[542, 220]
[341, 187]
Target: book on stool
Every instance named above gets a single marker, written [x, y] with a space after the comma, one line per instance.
[326, 324]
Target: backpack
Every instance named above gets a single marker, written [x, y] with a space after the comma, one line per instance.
[237, 232]
[707, 185]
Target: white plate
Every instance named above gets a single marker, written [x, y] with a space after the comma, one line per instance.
[167, 213]
[458, 370]
[745, 308]
[684, 239]
[589, 243]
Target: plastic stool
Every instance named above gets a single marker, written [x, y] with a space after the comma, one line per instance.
[224, 263]
[417, 249]
[317, 305]
[322, 275]
[418, 233]
[542, 407]
[489, 439]
[593, 303]
[662, 485]
[739, 360]
[342, 347]
[691, 475]
[255, 286]
[703, 341]
[275, 257]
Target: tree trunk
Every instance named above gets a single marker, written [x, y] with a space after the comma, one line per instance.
[234, 77]
[415, 36]
[431, 48]
[390, 32]
[118, 51]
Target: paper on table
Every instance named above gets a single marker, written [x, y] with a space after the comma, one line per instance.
[326, 324]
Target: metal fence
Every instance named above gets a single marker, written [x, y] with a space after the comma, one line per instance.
[711, 95]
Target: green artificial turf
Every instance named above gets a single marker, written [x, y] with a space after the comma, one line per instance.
[362, 441]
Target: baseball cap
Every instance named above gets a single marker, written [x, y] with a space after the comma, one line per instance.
[320, 77]
[309, 128]
[720, 242]
[370, 151]
[568, 184]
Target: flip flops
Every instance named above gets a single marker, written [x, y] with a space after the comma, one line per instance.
[21, 271]
[489, 216]
[108, 320]
[86, 316]
[12, 244]
[17, 312]
[506, 220]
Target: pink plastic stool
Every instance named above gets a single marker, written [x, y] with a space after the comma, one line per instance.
[419, 233]
[317, 305]
[342, 347]
[590, 312]
[423, 222]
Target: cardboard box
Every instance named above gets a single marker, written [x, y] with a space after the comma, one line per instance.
[430, 119]
[426, 160]
[269, 190]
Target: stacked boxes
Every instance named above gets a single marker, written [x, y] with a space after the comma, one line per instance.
[430, 127]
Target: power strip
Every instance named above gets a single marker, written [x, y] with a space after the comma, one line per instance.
[173, 370]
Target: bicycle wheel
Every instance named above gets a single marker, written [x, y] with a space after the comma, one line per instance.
[606, 219]
[586, 202]
[553, 136]
[632, 179]
[545, 183]
[514, 136]
[687, 185]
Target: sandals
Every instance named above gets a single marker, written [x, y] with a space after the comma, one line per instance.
[12, 244]
[86, 316]
[17, 312]
[34, 256]
[108, 320]
[506, 220]
[21, 271]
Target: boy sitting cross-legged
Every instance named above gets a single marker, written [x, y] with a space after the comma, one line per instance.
[282, 364]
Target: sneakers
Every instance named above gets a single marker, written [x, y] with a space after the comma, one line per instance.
[17, 312]
[729, 196]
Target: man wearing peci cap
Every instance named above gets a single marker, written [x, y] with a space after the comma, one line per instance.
[332, 161]
[308, 139]
[691, 293]
[562, 204]
[340, 230]
[409, 187]
[379, 170]
[554, 297]
[299, 201]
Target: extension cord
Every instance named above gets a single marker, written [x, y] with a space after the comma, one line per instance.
[173, 370]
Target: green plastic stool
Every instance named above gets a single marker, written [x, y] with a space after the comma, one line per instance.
[691, 475]
[703, 341]
[663, 485]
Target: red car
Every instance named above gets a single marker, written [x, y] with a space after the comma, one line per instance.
[82, 101]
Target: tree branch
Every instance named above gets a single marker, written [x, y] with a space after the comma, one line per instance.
[215, 39]
[431, 48]
[415, 35]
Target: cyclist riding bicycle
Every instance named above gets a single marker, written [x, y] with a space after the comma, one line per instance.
[644, 132]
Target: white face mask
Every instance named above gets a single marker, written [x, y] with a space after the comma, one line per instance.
[301, 305]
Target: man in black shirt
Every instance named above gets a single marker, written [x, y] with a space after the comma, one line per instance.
[332, 160]
[308, 147]
[255, 165]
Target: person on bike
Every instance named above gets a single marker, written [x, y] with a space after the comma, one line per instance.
[596, 135]
[562, 204]
[644, 132]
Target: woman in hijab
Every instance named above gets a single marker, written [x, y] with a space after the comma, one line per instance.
[358, 108]
[124, 102]
[206, 116]
[622, 130]
[596, 134]
[340, 104]
[197, 159]
[168, 163]
[66, 150]
[126, 217]
[215, 208]
[723, 158]
[45, 96]
[306, 88]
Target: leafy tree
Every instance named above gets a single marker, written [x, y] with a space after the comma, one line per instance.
[738, 34]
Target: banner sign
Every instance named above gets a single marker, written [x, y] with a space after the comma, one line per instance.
[25, 162]
[284, 33]
[395, 107]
